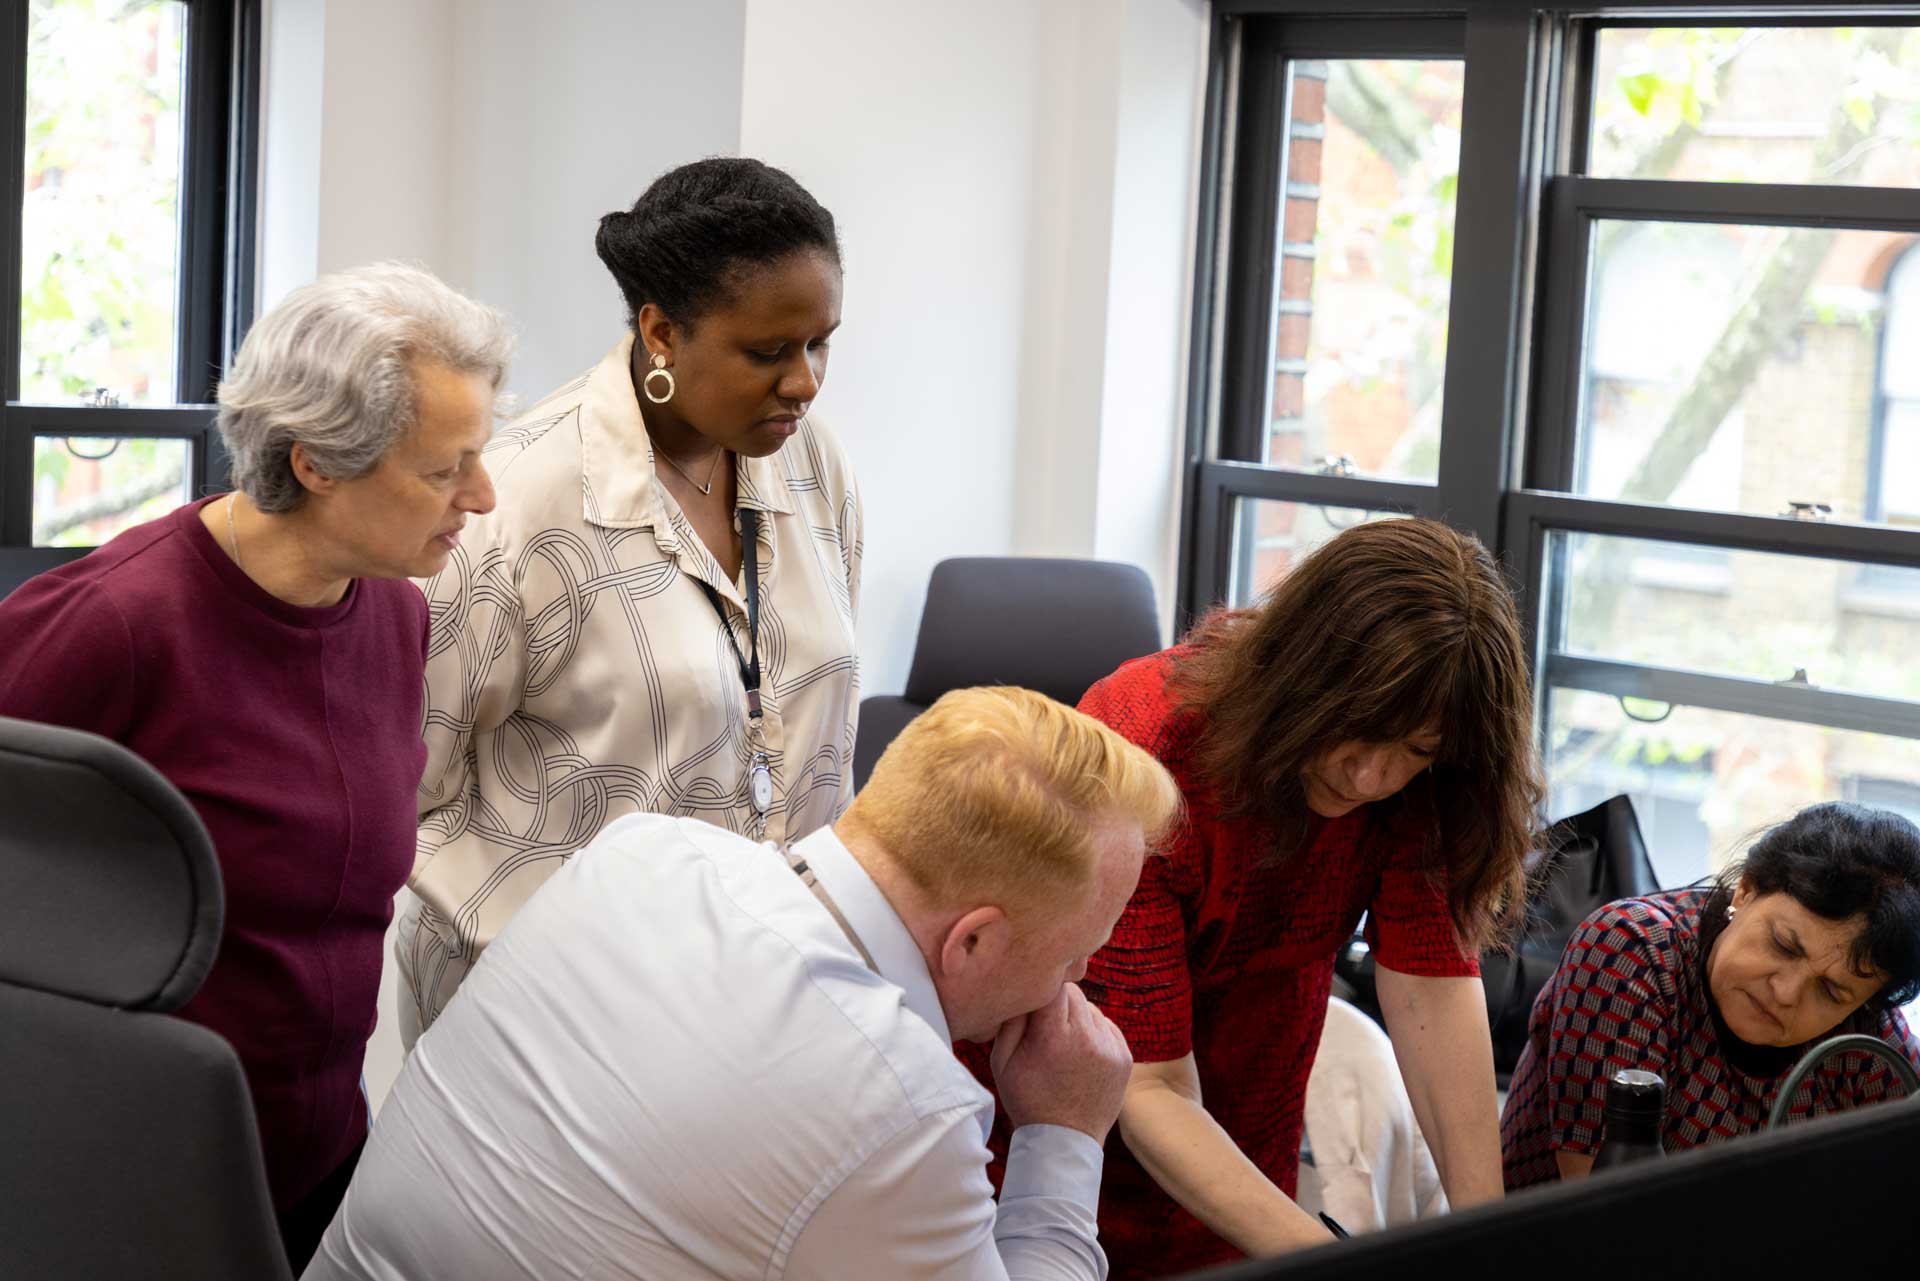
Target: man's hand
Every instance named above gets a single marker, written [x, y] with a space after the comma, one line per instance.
[1064, 1064]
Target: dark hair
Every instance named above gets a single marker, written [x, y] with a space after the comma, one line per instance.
[686, 241]
[1390, 627]
[1840, 861]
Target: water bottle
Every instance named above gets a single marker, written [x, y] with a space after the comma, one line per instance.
[1636, 1102]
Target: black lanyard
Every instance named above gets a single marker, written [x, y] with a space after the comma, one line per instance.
[750, 565]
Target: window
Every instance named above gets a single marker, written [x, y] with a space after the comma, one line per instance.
[130, 127]
[1337, 279]
[1271, 536]
[1896, 463]
[1663, 357]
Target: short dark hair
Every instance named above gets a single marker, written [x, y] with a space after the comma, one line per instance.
[687, 239]
[1840, 861]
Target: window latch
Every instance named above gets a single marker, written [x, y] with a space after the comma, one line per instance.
[101, 399]
[1807, 511]
[1337, 465]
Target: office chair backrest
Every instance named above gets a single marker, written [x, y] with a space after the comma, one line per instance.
[127, 1140]
[1045, 624]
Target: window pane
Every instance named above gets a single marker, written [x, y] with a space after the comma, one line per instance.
[1756, 615]
[1272, 537]
[1743, 368]
[100, 220]
[1373, 155]
[87, 490]
[1704, 782]
[1830, 105]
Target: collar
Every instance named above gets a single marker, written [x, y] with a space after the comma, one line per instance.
[618, 489]
[878, 925]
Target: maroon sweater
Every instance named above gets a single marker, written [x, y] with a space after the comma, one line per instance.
[295, 733]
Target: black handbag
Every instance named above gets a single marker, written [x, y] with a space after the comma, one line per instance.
[1590, 860]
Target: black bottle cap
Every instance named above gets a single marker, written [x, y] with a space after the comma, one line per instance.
[1636, 1093]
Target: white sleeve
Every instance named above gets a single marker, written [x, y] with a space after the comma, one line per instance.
[921, 1208]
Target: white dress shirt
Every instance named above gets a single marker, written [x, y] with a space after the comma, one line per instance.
[673, 1063]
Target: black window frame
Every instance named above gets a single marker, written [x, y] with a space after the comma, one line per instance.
[220, 120]
[1236, 268]
[1516, 318]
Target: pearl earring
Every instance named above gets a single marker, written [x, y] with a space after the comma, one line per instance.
[1730, 912]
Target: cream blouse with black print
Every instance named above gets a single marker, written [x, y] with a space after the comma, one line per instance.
[577, 671]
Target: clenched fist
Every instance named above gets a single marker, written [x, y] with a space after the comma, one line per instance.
[1063, 1064]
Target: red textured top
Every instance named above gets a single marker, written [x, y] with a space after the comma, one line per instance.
[295, 734]
[1232, 961]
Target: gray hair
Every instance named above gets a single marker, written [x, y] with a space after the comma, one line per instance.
[330, 369]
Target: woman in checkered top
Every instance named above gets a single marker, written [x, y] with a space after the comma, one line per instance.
[1721, 989]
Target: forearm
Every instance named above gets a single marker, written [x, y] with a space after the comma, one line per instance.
[1198, 1164]
[1445, 1052]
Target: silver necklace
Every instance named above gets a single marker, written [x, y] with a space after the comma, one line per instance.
[233, 538]
[711, 468]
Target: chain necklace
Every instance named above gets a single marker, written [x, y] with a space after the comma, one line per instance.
[711, 468]
[233, 538]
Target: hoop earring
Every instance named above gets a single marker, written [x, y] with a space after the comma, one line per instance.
[659, 370]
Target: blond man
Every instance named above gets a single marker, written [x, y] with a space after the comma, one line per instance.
[691, 1055]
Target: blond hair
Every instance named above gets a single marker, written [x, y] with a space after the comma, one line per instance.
[996, 791]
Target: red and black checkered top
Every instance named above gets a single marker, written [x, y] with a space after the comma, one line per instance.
[1232, 961]
[1631, 992]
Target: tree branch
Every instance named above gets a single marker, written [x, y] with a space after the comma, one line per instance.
[113, 502]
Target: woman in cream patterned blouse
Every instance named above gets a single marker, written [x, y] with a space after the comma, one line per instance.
[595, 649]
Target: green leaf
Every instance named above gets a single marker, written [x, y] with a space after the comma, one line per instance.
[1640, 90]
[1859, 109]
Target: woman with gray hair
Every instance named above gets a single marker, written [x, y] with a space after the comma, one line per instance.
[265, 652]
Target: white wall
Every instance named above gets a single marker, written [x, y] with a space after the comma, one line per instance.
[561, 113]
[917, 124]
[293, 89]
[484, 138]
[354, 107]
[976, 158]
[1107, 329]
[1158, 101]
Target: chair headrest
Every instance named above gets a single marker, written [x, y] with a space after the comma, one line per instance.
[109, 890]
[1051, 625]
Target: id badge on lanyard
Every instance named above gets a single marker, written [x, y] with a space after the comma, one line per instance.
[759, 772]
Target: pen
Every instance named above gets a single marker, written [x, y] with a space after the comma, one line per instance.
[1333, 1226]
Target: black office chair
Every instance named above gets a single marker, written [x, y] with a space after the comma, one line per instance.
[127, 1139]
[1051, 625]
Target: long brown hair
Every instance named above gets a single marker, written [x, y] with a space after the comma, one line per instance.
[1390, 628]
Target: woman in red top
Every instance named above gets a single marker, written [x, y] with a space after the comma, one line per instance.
[1361, 743]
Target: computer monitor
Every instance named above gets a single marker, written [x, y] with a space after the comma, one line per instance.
[1801, 1202]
